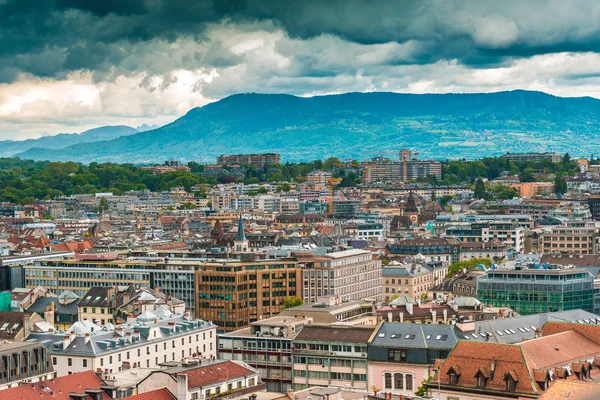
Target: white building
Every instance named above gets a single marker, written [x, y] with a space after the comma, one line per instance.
[153, 339]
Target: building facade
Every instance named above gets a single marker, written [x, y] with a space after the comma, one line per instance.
[533, 291]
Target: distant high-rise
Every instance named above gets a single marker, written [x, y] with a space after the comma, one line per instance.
[260, 160]
[553, 157]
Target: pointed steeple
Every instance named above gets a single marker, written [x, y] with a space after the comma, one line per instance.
[241, 236]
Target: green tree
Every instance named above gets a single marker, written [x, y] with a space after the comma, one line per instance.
[103, 204]
[560, 184]
[469, 265]
[290, 302]
[422, 390]
[479, 191]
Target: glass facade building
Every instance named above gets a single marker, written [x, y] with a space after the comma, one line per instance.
[537, 291]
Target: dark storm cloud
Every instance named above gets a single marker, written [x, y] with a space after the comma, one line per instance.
[49, 38]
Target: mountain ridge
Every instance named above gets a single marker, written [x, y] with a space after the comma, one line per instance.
[349, 125]
[9, 148]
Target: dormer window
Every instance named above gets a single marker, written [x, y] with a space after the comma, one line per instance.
[453, 375]
[453, 378]
[511, 381]
[481, 381]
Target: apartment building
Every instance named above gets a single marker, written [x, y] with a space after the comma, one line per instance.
[572, 237]
[509, 233]
[234, 293]
[97, 305]
[260, 160]
[155, 338]
[401, 356]
[333, 310]
[411, 279]
[444, 250]
[23, 362]
[331, 356]
[349, 274]
[267, 346]
[537, 157]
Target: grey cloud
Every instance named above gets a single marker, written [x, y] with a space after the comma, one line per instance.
[98, 35]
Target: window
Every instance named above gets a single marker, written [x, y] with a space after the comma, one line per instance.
[397, 355]
[388, 380]
[511, 384]
[84, 363]
[481, 381]
[453, 377]
[409, 382]
[53, 360]
[399, 381]
[69, 362]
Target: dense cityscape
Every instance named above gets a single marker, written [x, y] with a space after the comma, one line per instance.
[254, 278]
[299, 200]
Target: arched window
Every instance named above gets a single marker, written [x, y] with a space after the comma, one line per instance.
[399, 381]
[387, 380]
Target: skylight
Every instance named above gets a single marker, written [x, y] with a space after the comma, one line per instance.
[4, 326]
[407, 337]
[499, 333]
[511, 331]
[526, 329]
[393, 335]
[438, 337]
[428, 337]
[381, 335]
[467, 337]
[474, 335]
[507, 331]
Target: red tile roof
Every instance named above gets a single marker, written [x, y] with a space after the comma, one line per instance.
[159, 394]
[56, 389]
[592, 332]
[215, 373]
[559, 349]
[468, 358]
[561, 390]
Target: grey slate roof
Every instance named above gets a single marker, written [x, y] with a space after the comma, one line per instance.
[41, 303]
[421, 336]
[97, 344]
[518, 329]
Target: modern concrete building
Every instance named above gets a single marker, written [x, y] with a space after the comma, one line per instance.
[349, 274]
[331, 356]
[570, 238]
[260, 160]
[266, 345]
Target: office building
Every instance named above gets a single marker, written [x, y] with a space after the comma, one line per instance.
[331, 356]
[570, 238]
[444, 250]
[349, 274]
[532, 291]
[507, 232]
[234, 293]
[265, 345]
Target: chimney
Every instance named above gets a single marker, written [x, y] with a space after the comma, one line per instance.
[446, 316]
[433, 317]
[538, 333]
[182, 386]
[49, 313]
[492, 368]
[401, 317]
[87, 338]
[66, 341]
[390, 318]
[72, 335]
[409, 308]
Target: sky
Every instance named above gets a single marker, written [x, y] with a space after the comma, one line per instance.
[71, 65]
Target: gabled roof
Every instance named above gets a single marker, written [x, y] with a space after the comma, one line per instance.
[334, 334]
[216, 373]
[56, 389]
[559, 349]
[159, 394]
[470, 357]
[562, 389]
